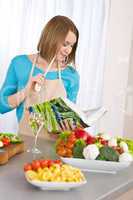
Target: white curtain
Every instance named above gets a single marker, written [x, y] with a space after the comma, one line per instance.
[21, 24]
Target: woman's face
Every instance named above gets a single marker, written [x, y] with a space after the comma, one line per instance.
[66, 48]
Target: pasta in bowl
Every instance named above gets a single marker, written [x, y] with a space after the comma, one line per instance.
[53, 175]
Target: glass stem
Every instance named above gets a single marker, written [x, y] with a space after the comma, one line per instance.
[36, 136]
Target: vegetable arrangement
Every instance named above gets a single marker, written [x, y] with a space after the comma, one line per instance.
[9, 138]
[81, 144]
[52, 171]
[58, 116]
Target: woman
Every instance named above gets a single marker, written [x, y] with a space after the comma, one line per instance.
[57, 47]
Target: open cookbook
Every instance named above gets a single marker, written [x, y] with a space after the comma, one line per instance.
[61, 114]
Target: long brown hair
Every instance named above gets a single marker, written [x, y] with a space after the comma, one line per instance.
[53, 34]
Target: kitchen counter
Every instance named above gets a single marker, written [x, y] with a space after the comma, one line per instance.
[13, 185]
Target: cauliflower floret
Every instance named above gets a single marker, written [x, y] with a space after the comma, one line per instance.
[91, 152]
[112, 142]
[1, 144]
[125, 157]
[124, 146]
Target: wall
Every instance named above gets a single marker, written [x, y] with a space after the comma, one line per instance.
[117, 66]
[128, 115]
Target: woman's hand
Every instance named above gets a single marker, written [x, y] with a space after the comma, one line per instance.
[37, 80]
[17, 98]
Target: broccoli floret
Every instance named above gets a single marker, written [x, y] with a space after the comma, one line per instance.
[109, 153]
[78, 148]
[100, 157]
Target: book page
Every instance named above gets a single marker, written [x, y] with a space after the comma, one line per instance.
[89, 116]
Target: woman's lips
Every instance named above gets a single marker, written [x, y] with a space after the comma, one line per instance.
[62, 58]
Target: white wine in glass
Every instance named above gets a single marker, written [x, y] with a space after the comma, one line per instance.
[36, 123]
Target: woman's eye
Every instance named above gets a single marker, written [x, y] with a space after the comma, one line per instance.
[65, 45]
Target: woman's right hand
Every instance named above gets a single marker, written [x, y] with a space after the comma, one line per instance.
[39, 79]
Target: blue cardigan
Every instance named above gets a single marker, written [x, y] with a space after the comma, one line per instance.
[18, 75]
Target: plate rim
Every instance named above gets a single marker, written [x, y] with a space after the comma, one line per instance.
[49, 185]
[96, 161]
[96, 166]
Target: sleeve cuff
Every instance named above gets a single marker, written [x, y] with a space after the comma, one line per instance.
[4, 105]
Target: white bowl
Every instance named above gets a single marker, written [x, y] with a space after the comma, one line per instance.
[96, 165]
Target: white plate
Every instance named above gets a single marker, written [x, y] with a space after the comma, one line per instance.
[56, 185]
[96, 165]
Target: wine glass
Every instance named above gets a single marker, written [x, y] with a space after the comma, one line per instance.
[36, 123]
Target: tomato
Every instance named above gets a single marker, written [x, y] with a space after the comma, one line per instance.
[27, 167]
[104, 142]
[44, 163]
[99, 138]
[90, 140]
[69, 145]
[119, 149]
[80, 133]
[6, 141]
[35, 164]
[50, 162]
[58, 162]
[61, 143]
[61, 151]
[71, 141]
[68, 153]
[72, 138]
